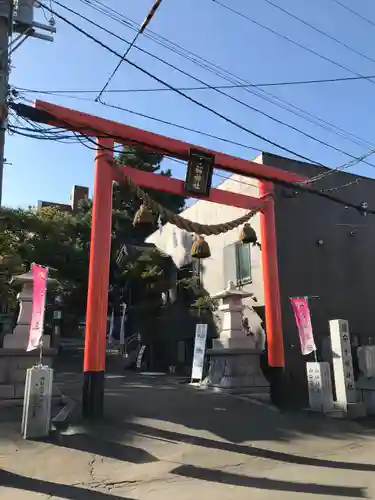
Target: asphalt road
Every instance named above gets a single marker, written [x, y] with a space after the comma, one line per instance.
[162, 438]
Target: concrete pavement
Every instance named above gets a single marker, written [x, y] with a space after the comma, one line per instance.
[164, 438]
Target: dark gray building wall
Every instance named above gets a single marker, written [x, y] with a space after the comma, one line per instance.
[341, 271]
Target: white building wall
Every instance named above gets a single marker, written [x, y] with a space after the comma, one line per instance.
[177, 243]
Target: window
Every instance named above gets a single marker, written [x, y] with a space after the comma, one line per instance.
[243, 263]
[237, 264]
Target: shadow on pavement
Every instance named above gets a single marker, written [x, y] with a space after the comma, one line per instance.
[227, 417]
[145, 397]
[11, 480]
[250, 451]
[217, 476]
[94, 444]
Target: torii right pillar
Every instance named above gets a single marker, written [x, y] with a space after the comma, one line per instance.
[274, 327]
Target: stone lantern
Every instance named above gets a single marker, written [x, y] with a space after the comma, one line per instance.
[234, 360]
[20, 336]
[14, 360]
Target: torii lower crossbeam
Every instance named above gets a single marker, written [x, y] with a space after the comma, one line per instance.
[109, 132]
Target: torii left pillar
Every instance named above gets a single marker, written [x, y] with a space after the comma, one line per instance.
[97, 303]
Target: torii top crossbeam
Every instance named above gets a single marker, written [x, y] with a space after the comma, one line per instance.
[124, 134]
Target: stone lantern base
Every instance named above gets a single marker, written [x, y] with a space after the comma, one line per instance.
[234, 363]
[13, 366]
[14, 360]
[236, 370]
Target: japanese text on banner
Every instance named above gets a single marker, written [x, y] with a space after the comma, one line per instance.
[302, 316]
[40, 276]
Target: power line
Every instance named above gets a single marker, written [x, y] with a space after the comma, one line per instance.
[228, 76]
[345, 166]
[318, 30]
[252, 108]
[21, 109]
[235, 180]
[357, 14]
[172, 124]
[356, 160]
[196, 88]
[206, 134]
[160, 81]
[61, 137]
[182, 127]
[139, 32]
[294, 42]
[47, 133]
[189, 98]
[100, 93]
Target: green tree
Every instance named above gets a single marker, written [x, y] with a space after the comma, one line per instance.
[61, 240]
[50, 237]
[126, 203]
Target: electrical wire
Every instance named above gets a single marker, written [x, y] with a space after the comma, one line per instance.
[318, 30]
[15, 129]
[318, 177]
[337, 188]
[240, 102]
[201, 81]
[355, 13]
[167, 122]
[203, 87]
[294, 42]
[139, 32]
[156, 78]
[189, 98]
[227, 75]
[235, 180]
[126, 53]
[281, 122]
[356, 160]
[164, 151]
[342, 167]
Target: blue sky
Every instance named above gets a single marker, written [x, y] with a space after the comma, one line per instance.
[47, 170]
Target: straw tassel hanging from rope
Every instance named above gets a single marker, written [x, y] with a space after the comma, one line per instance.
[200, 248]
[144, 215]
[248, 235]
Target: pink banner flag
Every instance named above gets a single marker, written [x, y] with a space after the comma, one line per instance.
[40, 276]
[303, 319]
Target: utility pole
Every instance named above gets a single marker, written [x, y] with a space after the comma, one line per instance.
[16, 16]
[6, 15]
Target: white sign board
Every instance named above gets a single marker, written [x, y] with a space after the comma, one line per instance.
[342, 363]
[140, 357]
[122, 327]
[319, 386]
[36, 418]
[199, 352]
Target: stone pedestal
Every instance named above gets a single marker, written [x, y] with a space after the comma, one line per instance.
[14, 360]
[234, 363]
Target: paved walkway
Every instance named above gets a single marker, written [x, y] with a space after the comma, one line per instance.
[161, 439]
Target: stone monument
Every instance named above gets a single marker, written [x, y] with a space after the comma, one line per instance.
[347, 403]
[14, 360]
[234, 362]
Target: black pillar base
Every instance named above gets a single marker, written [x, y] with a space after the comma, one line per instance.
[93, 395]
[277, 387]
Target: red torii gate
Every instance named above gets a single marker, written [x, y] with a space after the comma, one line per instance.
[107, 133]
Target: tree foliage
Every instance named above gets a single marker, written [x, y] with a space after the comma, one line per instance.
[126, 203]
[51, 237]
[61, 240]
